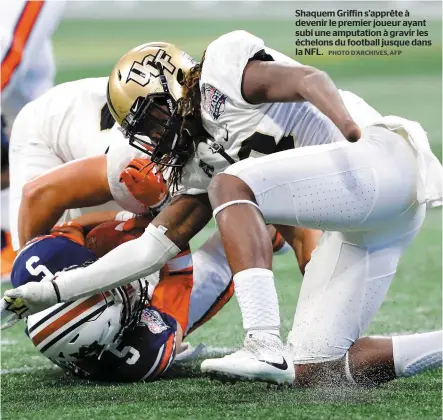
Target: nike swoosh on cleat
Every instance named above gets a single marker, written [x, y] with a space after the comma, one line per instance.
[281, 366]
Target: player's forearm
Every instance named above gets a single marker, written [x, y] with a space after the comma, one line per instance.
[46, 197]
[317, 88]
[302, 240]
[130, 261]
[90, 220]
[183, 218]
[37, 215]
[280, 82]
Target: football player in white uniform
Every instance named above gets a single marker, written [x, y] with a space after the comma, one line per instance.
[70, 122]
[27, 71]
[369, 195]
[161, 111]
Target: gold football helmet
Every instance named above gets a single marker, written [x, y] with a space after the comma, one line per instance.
[144, 90]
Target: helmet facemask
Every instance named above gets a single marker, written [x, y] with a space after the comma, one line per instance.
[153, 126]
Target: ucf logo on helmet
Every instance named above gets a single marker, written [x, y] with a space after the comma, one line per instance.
[141, 73]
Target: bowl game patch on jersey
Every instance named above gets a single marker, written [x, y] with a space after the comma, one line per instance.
[153, 321]
[213, 100]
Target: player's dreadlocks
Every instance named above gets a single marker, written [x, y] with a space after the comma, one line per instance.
[189, 110]
[190, 102]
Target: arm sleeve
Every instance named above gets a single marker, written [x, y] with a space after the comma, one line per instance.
[225, 61]
[130, 261]
[118, 156]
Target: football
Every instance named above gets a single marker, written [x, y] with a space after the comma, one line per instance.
[108, 235]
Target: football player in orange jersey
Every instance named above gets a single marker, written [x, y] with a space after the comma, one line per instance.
[130, 333]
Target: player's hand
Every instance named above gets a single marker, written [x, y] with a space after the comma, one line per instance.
[12, 310]
[35, 296]
[138, 222]
[187, 352]
[145, 182]
[70, 230]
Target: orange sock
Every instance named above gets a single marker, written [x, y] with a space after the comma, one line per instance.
[173, 292]
[8, 256]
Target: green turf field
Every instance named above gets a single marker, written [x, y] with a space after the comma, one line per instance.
[409, 86]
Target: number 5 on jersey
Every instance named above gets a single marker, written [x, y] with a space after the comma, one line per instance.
[40, 269]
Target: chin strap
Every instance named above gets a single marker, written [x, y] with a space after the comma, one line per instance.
[218, 148]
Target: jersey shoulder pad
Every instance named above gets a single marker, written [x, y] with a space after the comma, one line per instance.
[45, 256]
[224, 62]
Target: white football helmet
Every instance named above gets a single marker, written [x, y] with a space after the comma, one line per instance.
[67, 332]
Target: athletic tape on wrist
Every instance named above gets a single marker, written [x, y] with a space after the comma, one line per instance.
[124, 216]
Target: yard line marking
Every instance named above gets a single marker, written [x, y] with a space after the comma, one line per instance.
[26, 369]
[8, 342]
[203, 351]
[218, 351]
[5, 279]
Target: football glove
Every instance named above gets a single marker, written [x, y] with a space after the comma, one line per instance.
[12, 310]
[33, 296]
[146, 183]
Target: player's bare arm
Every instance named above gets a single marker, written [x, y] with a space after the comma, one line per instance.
[303, 241]
[82, 183]
[184, 217]
[135, 175]
[269, 81]
[180, 220]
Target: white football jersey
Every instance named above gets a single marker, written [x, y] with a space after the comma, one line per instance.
[72, 120]
[247, 130]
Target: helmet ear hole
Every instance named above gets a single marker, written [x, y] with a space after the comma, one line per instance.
[74, 339]
[180, 77]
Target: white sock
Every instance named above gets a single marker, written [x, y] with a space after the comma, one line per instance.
[417, 352]
[257, 297]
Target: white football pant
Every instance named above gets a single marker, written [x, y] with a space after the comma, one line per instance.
[364, 195]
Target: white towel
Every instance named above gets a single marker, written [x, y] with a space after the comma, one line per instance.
[430, 170]
[361, 112]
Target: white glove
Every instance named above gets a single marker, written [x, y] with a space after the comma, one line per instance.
[187, 352]
[36, 296]
[12, 311]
